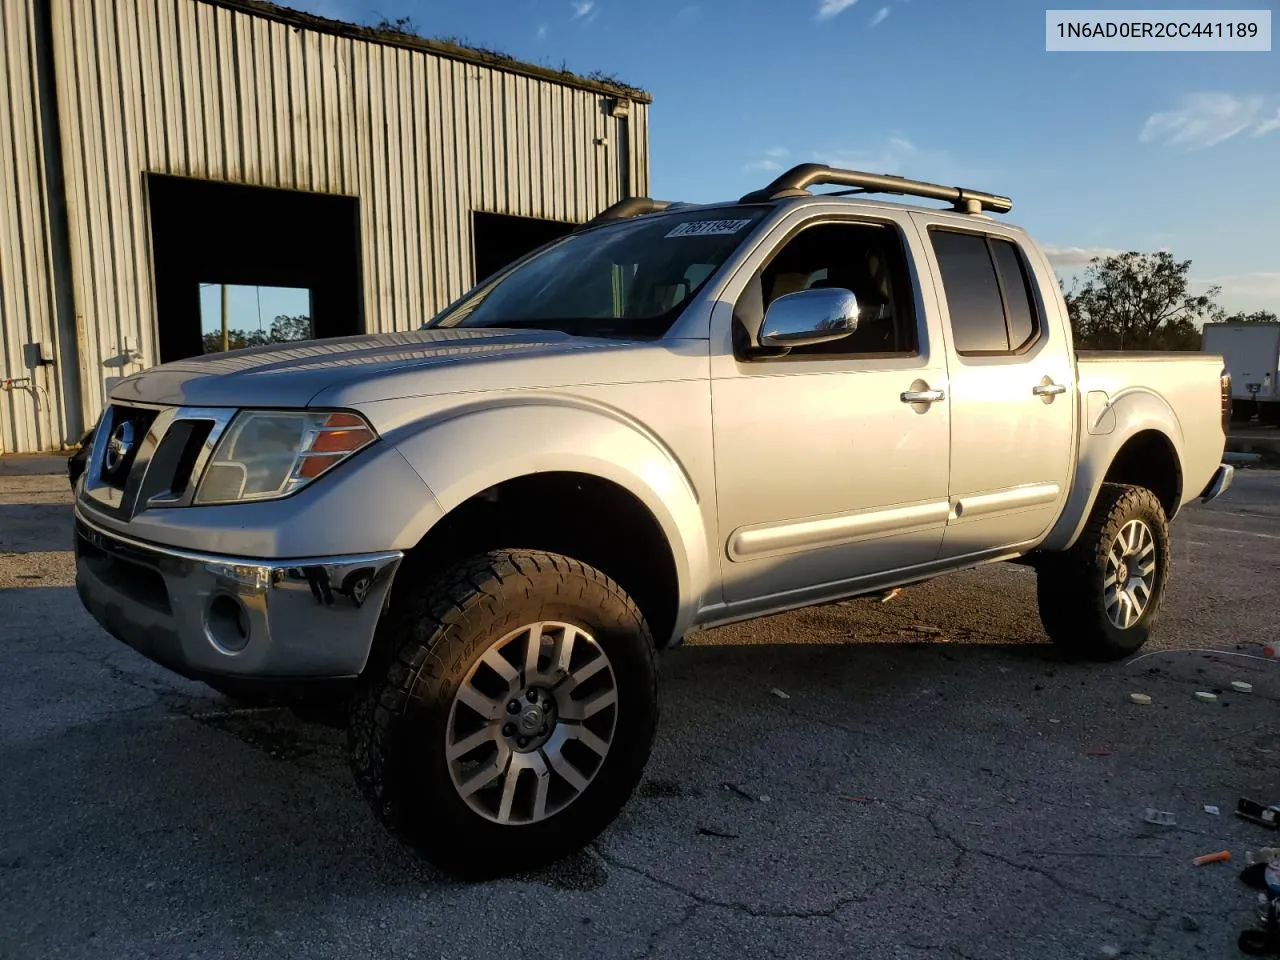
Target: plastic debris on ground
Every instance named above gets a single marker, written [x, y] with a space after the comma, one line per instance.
[780, 694]
[1211, 809]
[1140, 698]
[713, 832]
[1219, 857]
[890, 594]
[1161, 818]
[1239, 686]
[1259, 813]
[1206, 696]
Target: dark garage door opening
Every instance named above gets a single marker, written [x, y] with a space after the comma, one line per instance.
[499, 239]
[209, 233]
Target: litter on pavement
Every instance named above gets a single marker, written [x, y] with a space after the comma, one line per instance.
[1162, 818]
[1206, 696]
[1140, 698]
[1240, 686]
[1255, 812]
[1218, 857]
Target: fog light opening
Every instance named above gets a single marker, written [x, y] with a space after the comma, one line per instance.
[228, 623]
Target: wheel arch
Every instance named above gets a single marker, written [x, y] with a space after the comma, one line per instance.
[1144, 447]
[570, 480]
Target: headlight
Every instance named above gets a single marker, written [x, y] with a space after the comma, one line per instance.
[266, 453]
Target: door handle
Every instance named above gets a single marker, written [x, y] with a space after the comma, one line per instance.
[923, 396]
[1048, 389]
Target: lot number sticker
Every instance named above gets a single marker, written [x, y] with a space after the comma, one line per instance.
[708, 228]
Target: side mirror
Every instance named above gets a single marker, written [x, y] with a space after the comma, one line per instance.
[809, 317]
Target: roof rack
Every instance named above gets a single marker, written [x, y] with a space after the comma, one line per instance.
[794, 183]
[625, 209]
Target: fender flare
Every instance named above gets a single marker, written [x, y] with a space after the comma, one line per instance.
[473, 448]
[1127, 414]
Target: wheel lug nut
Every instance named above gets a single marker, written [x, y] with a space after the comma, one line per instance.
[523, 741]
[513, 706]
[543, 730]
[509, 729]
[533, 696]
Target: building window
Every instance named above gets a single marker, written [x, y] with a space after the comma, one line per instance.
[254, 316]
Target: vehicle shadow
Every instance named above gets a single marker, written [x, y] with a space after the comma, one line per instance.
[168, 809]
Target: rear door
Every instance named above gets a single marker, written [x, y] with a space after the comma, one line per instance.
[1012, 391]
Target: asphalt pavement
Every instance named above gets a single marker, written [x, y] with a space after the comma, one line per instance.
[922, 777]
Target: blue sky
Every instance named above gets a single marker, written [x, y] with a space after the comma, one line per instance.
[250, 308]
[1099, 151]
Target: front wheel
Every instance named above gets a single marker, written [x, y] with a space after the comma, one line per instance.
[1100, 599]
[513, 716]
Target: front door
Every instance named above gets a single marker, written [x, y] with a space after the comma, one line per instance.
[824, 474]
[1013, 395]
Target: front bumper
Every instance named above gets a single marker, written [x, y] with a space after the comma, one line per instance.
[204, 615]
[1220, 483]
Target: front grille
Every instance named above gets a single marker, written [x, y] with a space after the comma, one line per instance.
[157, 458]
[127, 427]
[170, 472]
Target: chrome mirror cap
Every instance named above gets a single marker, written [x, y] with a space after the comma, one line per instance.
[809, 317]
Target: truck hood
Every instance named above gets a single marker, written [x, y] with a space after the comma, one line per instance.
[364, 368]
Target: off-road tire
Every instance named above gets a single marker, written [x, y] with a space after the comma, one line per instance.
[1069, 585]
[427, 641]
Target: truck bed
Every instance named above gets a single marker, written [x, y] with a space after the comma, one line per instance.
[1188, 384]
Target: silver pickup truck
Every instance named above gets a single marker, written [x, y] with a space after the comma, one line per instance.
[474, 536]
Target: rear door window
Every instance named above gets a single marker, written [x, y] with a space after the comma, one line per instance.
[988, 295]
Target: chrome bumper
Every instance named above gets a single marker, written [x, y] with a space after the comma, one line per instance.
[1220, 483]
[205, 615]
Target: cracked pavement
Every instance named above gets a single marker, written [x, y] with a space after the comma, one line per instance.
[963, 793]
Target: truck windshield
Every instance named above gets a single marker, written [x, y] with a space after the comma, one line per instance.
[629, 279]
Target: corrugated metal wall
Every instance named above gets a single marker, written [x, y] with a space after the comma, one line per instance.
[189, 88]
[30, 411]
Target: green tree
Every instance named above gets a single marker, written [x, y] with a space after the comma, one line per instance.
[283, 330]
[288, 329]
[1139, 301]
[1257, 316]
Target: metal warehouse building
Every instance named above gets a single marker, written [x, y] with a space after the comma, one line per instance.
[151, 146]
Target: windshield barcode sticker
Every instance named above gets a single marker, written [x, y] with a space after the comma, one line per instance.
[708, 228]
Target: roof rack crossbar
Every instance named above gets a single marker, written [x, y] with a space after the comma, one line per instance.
[796, 181]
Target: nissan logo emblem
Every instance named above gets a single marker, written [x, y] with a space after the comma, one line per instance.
[119, 446]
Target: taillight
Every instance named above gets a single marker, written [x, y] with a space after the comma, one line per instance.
[1225, 381]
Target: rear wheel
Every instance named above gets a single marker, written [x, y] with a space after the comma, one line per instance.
[1101, 598]
[513, 715]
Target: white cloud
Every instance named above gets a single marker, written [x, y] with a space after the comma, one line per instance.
[771, 162]
[1262, 287]
[1268, 125]
[1207, 119]
[581, 8]
[542, 31]
[880, 16]
[898, 155]
[830, 8]
[1073, 258]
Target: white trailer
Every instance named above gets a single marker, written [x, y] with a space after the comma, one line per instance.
[1252, 354]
